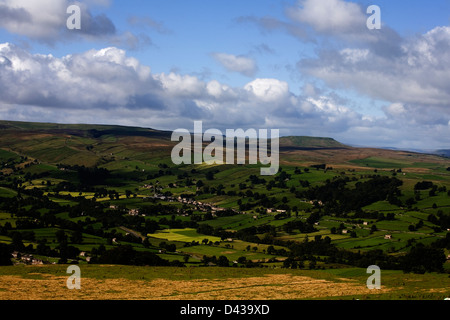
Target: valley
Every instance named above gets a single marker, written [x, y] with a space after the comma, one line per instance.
[97, 195]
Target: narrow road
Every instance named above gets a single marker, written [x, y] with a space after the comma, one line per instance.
[134, 233]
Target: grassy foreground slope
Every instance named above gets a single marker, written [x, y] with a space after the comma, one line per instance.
[159, 283]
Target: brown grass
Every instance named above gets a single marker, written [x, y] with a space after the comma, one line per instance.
[269, 287]
[336, 157]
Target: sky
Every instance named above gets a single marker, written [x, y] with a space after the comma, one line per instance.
[306, 67]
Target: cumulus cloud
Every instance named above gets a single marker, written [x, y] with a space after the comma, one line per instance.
[108, 82]
[36, 19]
[105, 77]
[314, 20]
[241, 64]
[268, 90]
[109, 86]
[46, 21]
[403, 79]
[329, 16]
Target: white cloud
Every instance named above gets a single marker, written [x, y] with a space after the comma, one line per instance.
[419, 76]
[46, 21]
[109, 86]
[396, 109]
[329, 16]
[241, 64]
[181, 86]
[355, 55]
[268, 90]
[35, 19]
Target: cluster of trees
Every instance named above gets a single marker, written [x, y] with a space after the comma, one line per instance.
[419, 259]
[208, 230]
[302, 227]
[338, 198]
[126, 255]
[379, 216]
[222, 261]
[88, 176]
[5, 255]
[442, 220]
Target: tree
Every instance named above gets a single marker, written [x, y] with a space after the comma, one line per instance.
[423, 259]
[61, 236]
[199, 184]
[77, 237]
[146, 243]
[223, 262]
[410, 202]
[171, 247]
[17, 243]
[242, 260]
[5, 255]
[287, 263]
[126, 255]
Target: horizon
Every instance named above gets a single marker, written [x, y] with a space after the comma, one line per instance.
[422, 151]
[309, 68]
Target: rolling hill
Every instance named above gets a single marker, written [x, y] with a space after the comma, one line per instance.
[132, 205]
[90, 145]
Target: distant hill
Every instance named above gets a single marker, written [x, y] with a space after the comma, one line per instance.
[310, 142]
[107, 145]
[83, 144]
[443, 152]
[84, 129]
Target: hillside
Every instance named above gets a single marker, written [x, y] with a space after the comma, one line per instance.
[90, 145]
[310, 143]
[111, 195]
[81, 144]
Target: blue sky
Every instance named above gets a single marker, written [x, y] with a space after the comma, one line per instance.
[306, 67]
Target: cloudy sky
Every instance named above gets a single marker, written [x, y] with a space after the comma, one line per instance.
[306, 67]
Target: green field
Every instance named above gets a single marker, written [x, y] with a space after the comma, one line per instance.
[381, 163]
[115, 188]
[183, 235]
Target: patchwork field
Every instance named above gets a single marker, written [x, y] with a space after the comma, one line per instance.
[183, 235]
[103, 197]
